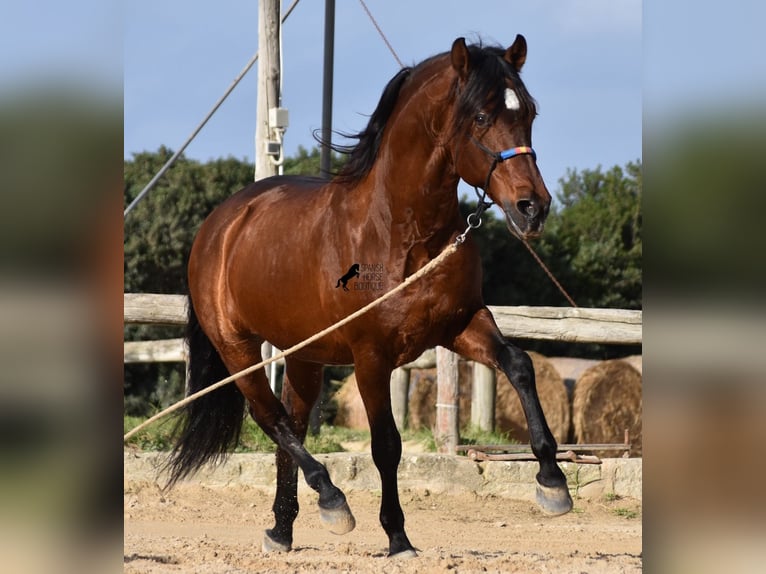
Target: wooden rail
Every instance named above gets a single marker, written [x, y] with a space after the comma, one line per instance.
[160, 351]
[154, 309]
[575, 325]
[174, 351]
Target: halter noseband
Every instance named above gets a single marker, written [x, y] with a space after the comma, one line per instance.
[501, 156]
[519, 150]
[474, 219]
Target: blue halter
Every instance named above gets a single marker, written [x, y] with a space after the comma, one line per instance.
[501, 156]
[514, 151]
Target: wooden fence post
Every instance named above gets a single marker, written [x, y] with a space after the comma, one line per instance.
[447, 421]
[483, 397]
[400, 387]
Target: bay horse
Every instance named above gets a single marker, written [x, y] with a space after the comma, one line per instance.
[265, 263]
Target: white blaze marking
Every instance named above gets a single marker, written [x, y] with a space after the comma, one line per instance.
[511, 99]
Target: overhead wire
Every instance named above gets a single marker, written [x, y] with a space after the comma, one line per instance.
[194, 133]
[382, 35]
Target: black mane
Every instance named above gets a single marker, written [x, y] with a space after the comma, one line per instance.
[362, 155]
[484, 90]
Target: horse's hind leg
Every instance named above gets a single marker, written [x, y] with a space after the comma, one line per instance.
[272, 417]
[300, 390]
[374, 382]
[482, 342]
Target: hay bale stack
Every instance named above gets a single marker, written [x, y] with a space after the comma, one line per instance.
[509, 416]
[606, 401]
[351, 413]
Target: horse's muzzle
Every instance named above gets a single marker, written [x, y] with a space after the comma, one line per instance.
[527, 218]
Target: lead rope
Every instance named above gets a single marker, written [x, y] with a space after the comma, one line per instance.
[473, 224]
[449, 250]
[548, 272]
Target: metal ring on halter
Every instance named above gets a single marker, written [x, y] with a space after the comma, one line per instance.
[471, 225]
[469, 220]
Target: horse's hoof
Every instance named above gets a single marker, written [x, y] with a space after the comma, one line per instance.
[338, 520]
[404, 555]
[271, 545]
[554, 500]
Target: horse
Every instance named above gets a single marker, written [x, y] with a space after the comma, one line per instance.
[265, 262]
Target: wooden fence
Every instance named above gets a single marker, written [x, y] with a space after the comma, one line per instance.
[576, 325]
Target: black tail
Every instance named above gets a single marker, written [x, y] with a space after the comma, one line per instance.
[209, 427]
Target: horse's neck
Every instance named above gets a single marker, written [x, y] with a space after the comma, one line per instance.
[414, 196]
[414, 177]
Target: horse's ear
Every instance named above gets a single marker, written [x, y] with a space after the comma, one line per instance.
[461, 60]
[516, 55]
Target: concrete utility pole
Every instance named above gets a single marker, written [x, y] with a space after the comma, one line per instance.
[271, 120]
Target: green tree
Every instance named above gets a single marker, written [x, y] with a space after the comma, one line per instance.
[158, 235]
[593, 236]
[160, 229]
[307, 162]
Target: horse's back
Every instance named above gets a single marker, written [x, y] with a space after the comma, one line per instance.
[271, 198]
[279, 186]
[240, 266]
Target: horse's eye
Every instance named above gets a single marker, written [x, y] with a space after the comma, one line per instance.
[481, 119]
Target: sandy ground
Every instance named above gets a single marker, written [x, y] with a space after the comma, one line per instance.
[219, 530]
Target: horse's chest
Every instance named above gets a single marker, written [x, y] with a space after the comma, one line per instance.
[428, 318]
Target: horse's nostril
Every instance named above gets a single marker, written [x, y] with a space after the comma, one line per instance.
[528, 207]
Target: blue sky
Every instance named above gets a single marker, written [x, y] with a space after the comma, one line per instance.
[78, 43]
[592, 64]
[702, 58]
[583, 67]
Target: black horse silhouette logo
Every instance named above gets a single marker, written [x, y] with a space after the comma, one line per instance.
[352, 272]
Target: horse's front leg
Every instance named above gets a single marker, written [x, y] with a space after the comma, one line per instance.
[374, 380]
[482, 341]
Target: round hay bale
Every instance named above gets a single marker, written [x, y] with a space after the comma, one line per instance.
[421, 406]
[636, 361]
[509, 416]
[351, 413]
[421, 403]
[606, 401]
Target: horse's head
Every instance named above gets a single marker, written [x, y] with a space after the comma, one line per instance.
[492, 141]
